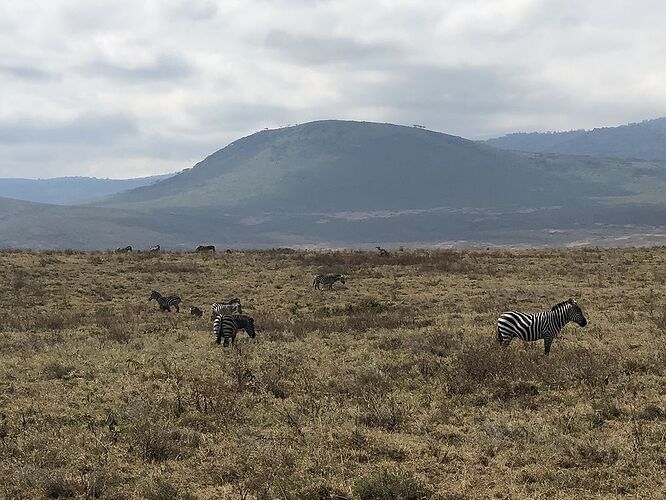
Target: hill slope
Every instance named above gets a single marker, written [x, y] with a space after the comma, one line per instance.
[355, 184]
[69, 190]
[645, 140]
[335, 165]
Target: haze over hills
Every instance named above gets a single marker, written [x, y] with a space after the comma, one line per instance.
[645, 140]
[69, 190]
[337, 183]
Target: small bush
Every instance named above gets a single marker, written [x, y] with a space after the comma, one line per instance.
[388, 485]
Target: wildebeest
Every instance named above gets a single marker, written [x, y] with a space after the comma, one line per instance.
[382, 251]
[206, 248]
[127, 249]
[195, 311]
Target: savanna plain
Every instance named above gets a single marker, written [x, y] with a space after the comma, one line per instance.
[390, 386]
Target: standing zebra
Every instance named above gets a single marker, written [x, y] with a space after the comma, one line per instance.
[327, 280]
[544, 325]
[166, 303]
[225, 308]
[127, 249]
[227, 327]
[156, 248]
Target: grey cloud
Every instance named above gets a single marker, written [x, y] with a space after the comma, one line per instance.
[83, 130]
[165, 67]
[26, 72]
[313, 50]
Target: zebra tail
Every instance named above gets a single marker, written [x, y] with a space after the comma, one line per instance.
[499, 335]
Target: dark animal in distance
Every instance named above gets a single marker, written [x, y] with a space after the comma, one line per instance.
[127, 249]
[195, 311]
[156, 248]
[206, 248]
[227, 327]
[382, 251]
[228, 250]
[229, 307]
[166, 303]
[543, 325]
[327, 280]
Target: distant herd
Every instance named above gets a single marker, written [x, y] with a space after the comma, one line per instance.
[227, 316]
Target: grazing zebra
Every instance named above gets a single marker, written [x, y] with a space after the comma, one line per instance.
[225, 308]
[327, 280]
[544, 325]
[227, 327]
[195, 311]
[382, 251]
[206, 248]
[166, 303]
[156, 248]
[127, 249]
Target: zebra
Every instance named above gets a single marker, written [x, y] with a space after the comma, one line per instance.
[543, 325]
[195, 311]
[206, 248]
[225, 308]
[156, 248]
[382, 251]
[227, 326]
[327, 280]
[127, 249]
[166, 303]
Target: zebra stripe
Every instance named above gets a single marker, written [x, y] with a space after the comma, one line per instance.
[327, 280]
[166, 303]
[232, 306]
[543, 325]
[227, 327]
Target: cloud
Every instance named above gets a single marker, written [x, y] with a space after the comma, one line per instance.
[311, 49]
[129, 87]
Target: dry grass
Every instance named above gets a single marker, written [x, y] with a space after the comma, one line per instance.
[389, 387]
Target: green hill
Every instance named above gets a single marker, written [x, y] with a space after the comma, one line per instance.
[337, 183]
[645, 140]
[69, 190]
[341, 166]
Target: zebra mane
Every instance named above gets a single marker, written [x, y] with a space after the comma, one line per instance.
[560, 305]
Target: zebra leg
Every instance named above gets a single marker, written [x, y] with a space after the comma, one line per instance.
[547, 342]
[177, 308]
[501, 340]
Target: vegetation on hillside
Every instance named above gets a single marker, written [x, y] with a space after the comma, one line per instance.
[390, 386]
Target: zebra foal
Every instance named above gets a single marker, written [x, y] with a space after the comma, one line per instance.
[227, 327]
[543, 325]
[166, 303]
[327, 280]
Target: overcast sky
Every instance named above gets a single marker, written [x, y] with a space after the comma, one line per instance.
[125, 88]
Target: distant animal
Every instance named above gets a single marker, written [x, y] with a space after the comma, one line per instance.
[382, 251]
[226, 308]
[156, 248]
[206, 248]
[195, 311]
[327, 280]
[166, 303]
[127, 249]
[227, 327]
[228, 250]
[543, 325]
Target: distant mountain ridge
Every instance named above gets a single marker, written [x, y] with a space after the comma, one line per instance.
[645, 140]
[70, 190]
[354, 184]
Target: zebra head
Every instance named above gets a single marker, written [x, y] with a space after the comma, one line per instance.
[154, 295]
[576, 313]
[247, 323]
[341, 279]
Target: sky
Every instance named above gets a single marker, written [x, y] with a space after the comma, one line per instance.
[128, 88]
